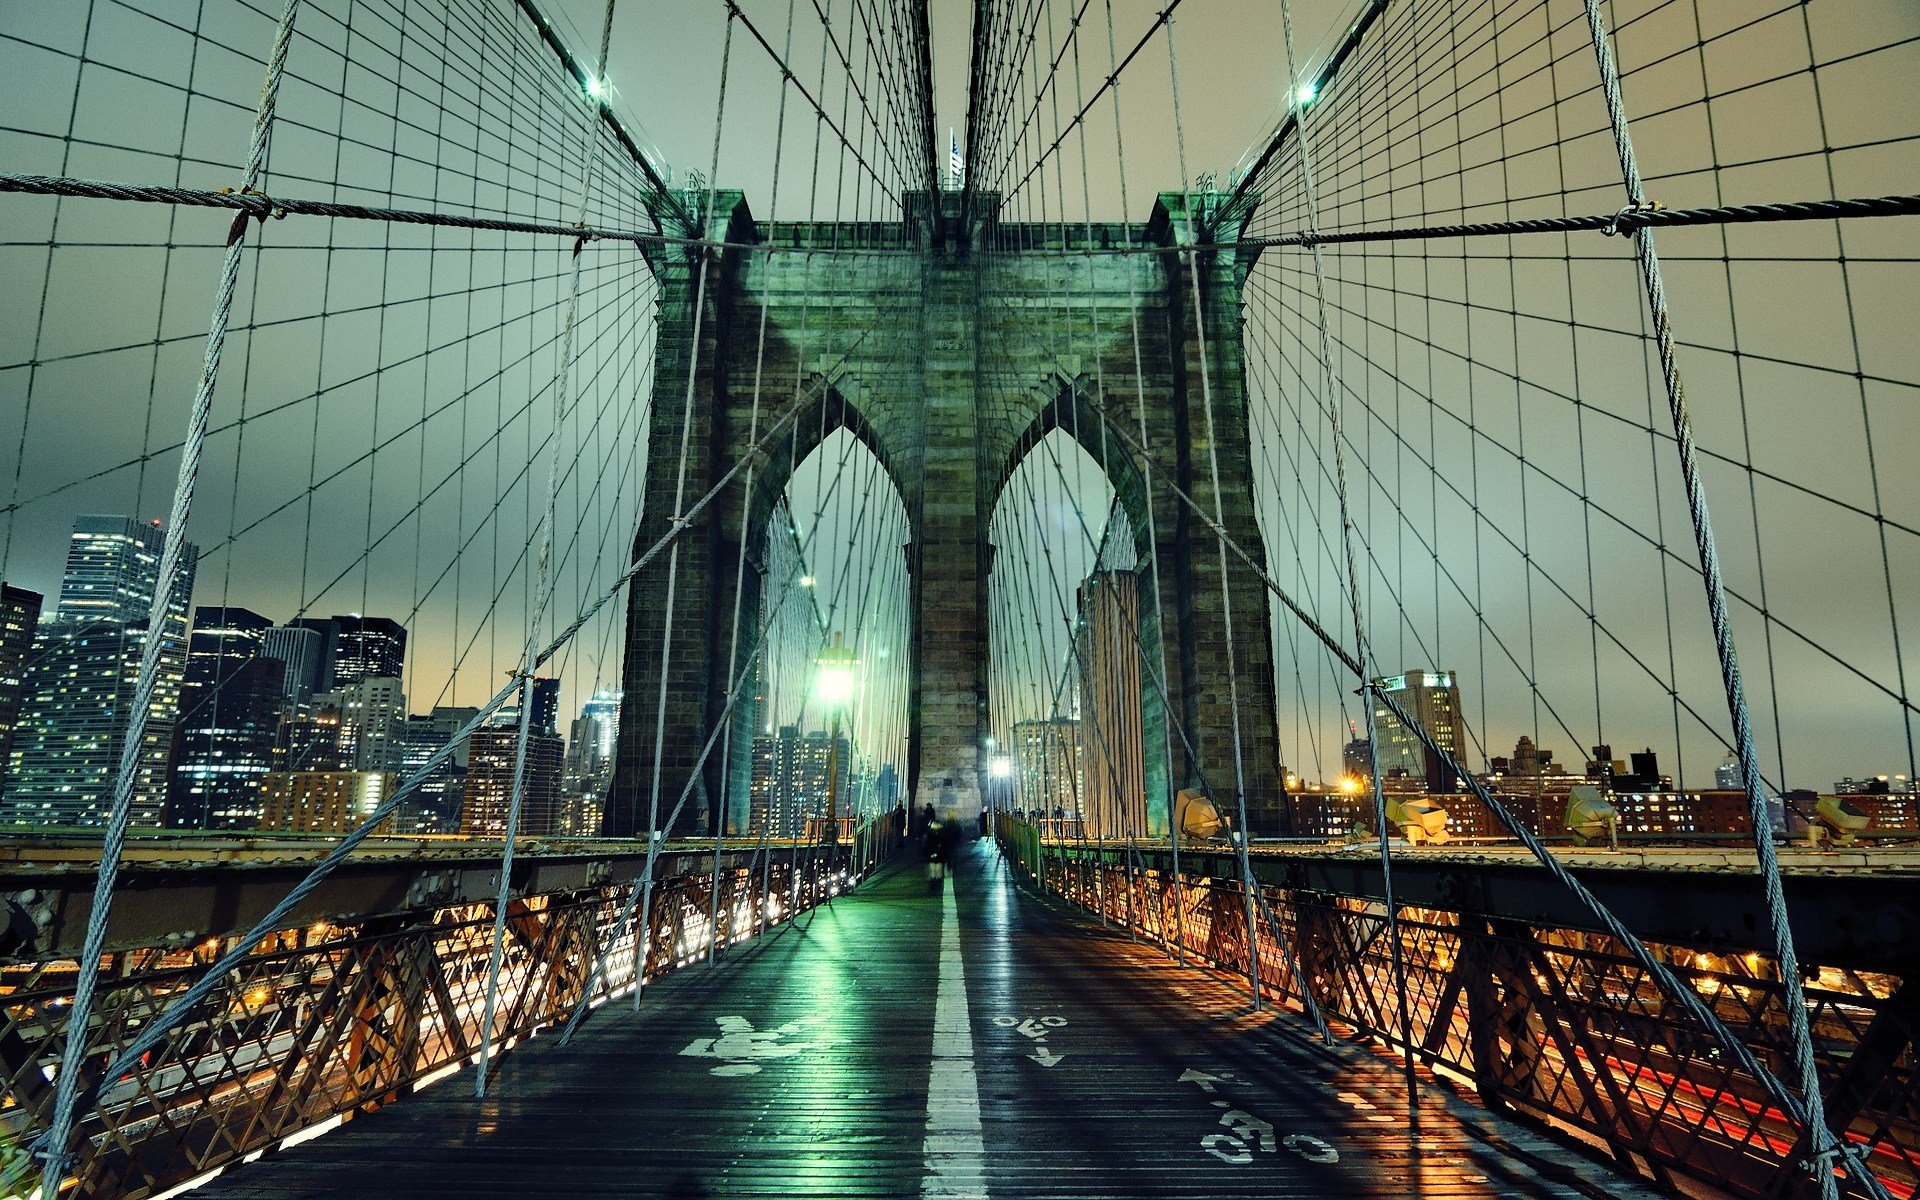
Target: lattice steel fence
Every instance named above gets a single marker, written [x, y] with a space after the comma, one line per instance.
[1557, 1026]
[327, 1020]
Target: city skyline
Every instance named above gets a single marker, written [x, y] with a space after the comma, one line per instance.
[222, 768]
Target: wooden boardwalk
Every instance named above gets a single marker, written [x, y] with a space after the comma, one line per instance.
[978, 1042]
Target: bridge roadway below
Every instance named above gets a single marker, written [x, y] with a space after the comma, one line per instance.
[980, 1041]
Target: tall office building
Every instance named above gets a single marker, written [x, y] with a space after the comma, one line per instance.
[603, 709]
[490, 771]
[113, 566]
[19, 614]
[222, 638]
[434, 806]
[367, 648]
[371, 709]
[1047, 754]
[546, 707]
[1112, 760]
[588, 767]
[304, 653]
[77, 696]
[327, 632]
[790, 780]
[1433, 699]
[229, 717]
[311, 738]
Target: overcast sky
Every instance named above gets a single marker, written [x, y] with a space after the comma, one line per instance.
[428, 456]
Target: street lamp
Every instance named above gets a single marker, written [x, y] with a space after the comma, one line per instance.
[999, 782]
[833, 686]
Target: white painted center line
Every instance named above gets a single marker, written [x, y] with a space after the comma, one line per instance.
[955, 1156]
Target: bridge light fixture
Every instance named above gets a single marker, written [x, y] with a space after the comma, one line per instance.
[1350, 784]
[1000, 767]
[1305, 93]
[833, 683]
[596, 87]
[806, 581]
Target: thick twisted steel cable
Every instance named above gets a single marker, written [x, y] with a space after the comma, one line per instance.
[53, 1148]
[1812, 1116]
[152, 1031]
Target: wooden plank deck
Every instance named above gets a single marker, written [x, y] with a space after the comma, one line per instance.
[1064, 1061]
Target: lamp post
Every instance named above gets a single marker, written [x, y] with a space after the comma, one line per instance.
[833, 686]
[1000, 785]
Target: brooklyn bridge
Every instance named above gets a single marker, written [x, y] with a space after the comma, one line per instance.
[1101, 553]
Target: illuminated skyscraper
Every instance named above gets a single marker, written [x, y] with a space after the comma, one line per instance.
[371, 710]
[77, 696]
[304, 652]
[588, 768]
[19, 614]
[790, 780]
[229, 713]
[1047, 754]
[368, 647]
[490, 769]
[1433, 699]
[435, 806]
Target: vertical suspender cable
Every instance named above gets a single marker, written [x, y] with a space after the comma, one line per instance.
[516, 799]
[1334, 406]
[1153, 533]
[54, 1151]
[1192, 261]
[746, 510]
[704, 248]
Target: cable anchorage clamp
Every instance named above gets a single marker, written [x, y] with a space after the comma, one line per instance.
[1626, 215]
[239, 227]
[1837, 1151]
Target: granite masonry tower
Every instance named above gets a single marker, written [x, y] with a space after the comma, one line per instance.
[949, 345]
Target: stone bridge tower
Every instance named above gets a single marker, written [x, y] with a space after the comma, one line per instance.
[950, 352]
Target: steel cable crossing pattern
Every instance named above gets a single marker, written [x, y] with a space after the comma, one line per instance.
[152, 1031]
[1220, 547]
[595, 93]
[1335, 406]
[1813, 1119]
[53, 1148]
[1662, 975]
[740, 565]
[156, 1028]
[655, 835]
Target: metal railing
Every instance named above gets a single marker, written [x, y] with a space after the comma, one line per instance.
[1555, 1025]
[327, 1020]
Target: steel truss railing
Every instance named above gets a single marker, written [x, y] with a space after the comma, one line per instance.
[1559, 1027]
[325, 1021]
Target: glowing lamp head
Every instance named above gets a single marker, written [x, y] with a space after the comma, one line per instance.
[833, 686]
[1000, 767]
[806, 581]
[1305, 93]
[596, 88]
[1350, 784]
[833, 682]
